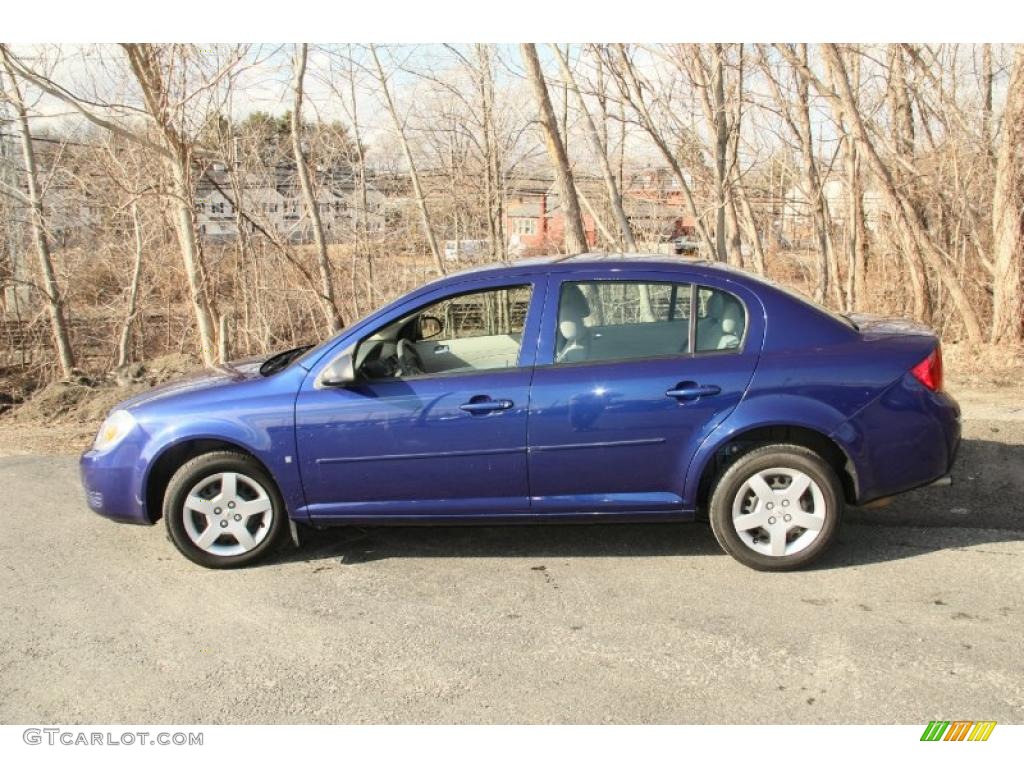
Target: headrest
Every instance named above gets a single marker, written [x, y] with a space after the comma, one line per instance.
[715, 306]
[569, 329]
[573, 303]
[732, 318]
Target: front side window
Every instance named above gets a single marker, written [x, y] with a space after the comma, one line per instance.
[468, 332]
[607, 320]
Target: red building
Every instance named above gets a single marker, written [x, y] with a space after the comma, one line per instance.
[534, 221]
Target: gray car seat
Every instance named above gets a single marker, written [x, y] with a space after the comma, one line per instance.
[722, 326]
[732, 325]
[573, 335]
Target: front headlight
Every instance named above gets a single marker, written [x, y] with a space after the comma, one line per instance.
[114, 430]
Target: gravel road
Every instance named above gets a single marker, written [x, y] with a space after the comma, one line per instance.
[917, 614]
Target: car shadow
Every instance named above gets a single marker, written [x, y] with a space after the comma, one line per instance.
[978, 509]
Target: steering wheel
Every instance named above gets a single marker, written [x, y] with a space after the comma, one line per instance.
[409, 361]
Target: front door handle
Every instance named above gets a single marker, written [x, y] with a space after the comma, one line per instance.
[691, 390]
[484, 404]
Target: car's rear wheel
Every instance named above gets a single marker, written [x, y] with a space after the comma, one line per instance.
[776, 508]
[222, 510]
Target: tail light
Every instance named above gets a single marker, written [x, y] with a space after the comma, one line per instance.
[929, 370]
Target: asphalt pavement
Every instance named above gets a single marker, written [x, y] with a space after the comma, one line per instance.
[917, 614]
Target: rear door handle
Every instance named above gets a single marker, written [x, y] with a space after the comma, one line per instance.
[485, 405]
[440, 349]
[691, 390]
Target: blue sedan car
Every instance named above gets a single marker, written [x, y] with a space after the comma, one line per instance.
[579, 389]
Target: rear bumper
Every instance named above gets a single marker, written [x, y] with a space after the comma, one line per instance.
[905, 439]
[112, 483]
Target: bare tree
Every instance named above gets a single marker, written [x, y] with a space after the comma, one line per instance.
[856, 230]
[34, 202]
[1008, 214]
[132, 305]
[309, 197]
[575, 232]
[150, 68]
[632, 90]
[797, 117]
[600, 150]
[417, 187]
[905, 215]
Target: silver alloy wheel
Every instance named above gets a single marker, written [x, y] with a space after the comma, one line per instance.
[227, 514]
[779, 511]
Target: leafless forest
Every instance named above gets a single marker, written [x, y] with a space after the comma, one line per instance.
[224, 201]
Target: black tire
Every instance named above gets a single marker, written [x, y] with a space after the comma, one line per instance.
[194, 472]
[732, 481]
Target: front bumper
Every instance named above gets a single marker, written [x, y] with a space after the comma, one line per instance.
[112, 481]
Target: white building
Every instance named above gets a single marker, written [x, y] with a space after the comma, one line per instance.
[797, 210]
[279, 206]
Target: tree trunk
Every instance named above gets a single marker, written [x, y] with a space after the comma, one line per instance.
[798, 118]
[1007, 215]
[363, 231]
[54, 300]
[749, 222]
[987, 79]
[575, 232]
[133, 292]
[721, 127]
[191, 254]
[493, 175]
[628, 242]
[178, 161]
[632, 93]
[330, 306]
[421, 200]
[856, 232]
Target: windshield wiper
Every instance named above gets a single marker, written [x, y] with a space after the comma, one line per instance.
[281, 360]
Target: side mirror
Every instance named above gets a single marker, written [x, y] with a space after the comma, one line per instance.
[339, 373]
[429, 327]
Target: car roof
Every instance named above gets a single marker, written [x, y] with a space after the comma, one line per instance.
[582, 261]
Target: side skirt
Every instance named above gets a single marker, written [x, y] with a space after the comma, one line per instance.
[560, 518]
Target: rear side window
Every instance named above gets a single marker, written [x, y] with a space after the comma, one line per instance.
[607, 320]
[721, 320]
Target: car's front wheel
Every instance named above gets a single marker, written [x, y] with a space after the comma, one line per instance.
[776, 508]
[222, 510]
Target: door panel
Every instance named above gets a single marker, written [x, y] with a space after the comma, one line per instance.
[408, 448]
[607, 436]
[440, 444]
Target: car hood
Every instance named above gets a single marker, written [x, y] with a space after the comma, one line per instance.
[224, 374]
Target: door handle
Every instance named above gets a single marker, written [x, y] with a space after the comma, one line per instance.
[485, 405]
[691, 390]
[440, 349]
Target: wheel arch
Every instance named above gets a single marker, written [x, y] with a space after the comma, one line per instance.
[163, 466]
[735, 445]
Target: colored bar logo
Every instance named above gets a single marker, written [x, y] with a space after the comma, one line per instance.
[958, 730]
